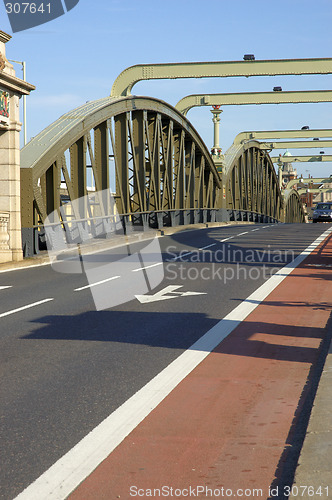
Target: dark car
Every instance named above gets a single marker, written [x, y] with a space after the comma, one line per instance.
[322, 212]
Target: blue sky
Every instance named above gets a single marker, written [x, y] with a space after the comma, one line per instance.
[77, 57]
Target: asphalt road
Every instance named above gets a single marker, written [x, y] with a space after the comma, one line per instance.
[65, 366]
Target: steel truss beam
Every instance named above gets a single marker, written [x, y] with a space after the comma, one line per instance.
[297, 144]
[129, 77]
[282, 134]
[247, 98]
[310, 180]
[293, 207]
[314, 190]
[250, 181]
[301, 159]
[158, 159]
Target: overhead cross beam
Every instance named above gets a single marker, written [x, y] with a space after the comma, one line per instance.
[129, 77]
[314, 190]
[310, 180]
[303, 159]
[297, 144]
[282, 134]
[245, 98]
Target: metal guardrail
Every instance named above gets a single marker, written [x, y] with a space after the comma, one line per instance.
[34, 238]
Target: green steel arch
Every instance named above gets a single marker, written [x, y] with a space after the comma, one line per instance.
[250, 181]
[154, 162]
[158, 159]
[293, 207]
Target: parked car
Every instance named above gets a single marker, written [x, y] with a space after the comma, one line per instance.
[322, 212]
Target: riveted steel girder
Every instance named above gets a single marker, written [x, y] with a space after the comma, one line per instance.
[310, 180]
[282, 134]
[297, 144]
[314, 190]
[129, 77]
[301, 159]
[246, 98]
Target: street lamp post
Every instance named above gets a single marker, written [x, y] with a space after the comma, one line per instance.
[23, 64]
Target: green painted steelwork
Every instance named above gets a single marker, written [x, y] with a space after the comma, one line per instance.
[314, 190]
[282, 134]
[247, 98]
[129, 77]
[159, 160]
[310, 180]
[297, 144]
[301, 159]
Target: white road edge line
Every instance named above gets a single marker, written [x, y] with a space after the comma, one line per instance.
[96, 284]
[28, 306]
[76, 465]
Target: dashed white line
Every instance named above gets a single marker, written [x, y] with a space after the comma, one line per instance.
[241, 234]
[182, 255]
[4, 287]
[96, 284]
[28, 306]
[207, 246]
[227, 239]
[146, 267]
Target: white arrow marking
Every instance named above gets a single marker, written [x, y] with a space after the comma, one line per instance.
[161, 295]
[3, 287]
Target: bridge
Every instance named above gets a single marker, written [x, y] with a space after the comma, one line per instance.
[164, 174]
[162, 171]
[131, 360]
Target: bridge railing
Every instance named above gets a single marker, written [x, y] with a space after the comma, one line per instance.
[84, 231]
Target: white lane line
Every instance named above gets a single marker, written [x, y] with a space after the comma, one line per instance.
[176, 258]
[257, 229]
[241, 234]
[182, 255]
[146, 267]
[227, 239]
[4, 287]
[208, 246]
[96, 284]
[28, 306]
[74, 467]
